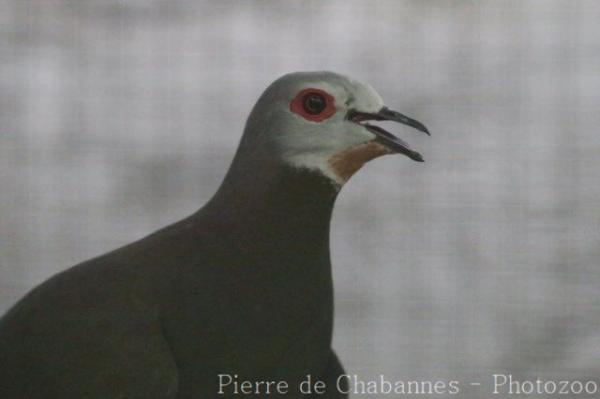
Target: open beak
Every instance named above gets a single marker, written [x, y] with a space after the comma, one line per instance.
[393, 143]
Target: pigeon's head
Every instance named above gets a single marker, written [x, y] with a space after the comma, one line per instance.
[323, 121]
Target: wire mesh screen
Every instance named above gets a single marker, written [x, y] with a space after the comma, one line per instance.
[119, 117]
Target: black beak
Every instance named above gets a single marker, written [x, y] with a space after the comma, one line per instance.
[384, 137]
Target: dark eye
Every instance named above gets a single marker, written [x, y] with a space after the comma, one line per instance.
[314, 103]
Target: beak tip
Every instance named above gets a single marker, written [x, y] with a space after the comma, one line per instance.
[417, 157]
[422, 127]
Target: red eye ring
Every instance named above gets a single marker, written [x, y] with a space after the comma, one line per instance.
[301, 105]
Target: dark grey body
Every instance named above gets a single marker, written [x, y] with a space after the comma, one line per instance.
[242, 287]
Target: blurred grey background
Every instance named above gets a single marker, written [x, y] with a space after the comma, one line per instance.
[119, 117]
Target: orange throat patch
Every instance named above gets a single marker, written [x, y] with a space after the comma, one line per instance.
[347, 162]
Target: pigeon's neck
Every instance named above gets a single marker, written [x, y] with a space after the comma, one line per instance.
[267, 230]
[276, 196]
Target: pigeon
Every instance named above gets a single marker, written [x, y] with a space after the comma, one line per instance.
[235, 300]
